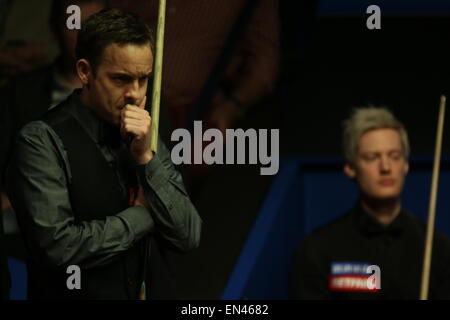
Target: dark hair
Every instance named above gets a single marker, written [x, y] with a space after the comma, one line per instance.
[110, 26]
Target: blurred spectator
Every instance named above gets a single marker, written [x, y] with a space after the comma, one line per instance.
[26, 41]
[4, 271]
[28, 95]
[25, 44]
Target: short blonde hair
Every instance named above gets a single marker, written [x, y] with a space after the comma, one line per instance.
[370, 118]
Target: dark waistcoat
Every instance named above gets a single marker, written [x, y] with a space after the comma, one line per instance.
[95, 193]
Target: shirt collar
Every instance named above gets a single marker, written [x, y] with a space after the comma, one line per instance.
[98, 129]
[368, 224]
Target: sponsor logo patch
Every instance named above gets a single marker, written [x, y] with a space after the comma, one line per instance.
[354, 276]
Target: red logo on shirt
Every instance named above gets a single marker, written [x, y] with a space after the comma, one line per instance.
[351, 276]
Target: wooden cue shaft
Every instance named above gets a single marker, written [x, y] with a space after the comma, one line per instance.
[157, 73]
[432, 205]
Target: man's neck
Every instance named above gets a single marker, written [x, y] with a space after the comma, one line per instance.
[383, 211]
[67, 75]
[85, 99]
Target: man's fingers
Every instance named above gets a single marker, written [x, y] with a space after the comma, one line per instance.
[137, 122]
[134, 112]
[135, 130]
[142, 105]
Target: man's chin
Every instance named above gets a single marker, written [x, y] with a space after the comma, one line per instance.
[384, 197]
[113, 120]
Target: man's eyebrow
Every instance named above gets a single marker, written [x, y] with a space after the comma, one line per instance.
[379, 152]
[148, 75]
[128, 75]
[120, 74]
[369, 151]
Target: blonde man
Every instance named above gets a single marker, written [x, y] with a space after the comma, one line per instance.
[375, 250]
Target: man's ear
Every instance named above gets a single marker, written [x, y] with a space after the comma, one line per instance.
[349, 171]
[84, 71]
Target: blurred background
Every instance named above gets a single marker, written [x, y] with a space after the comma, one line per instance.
[299, 66]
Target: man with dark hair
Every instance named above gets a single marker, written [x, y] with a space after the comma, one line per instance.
[87, 188]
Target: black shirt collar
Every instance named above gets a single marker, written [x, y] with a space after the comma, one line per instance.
[98, 129]
[368, 224]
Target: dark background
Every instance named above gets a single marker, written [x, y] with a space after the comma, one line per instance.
[331, 63]
[335, 63]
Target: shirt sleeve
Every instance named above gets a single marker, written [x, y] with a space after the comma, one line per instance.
[176, 219]
[37, 187]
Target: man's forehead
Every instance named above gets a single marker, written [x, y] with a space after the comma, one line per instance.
[129, 59]
[380, 140]
[133, 72]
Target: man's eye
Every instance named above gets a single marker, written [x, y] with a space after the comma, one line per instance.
[370, 157]
[396, 155]
[121, 79]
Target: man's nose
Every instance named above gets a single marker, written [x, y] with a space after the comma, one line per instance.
[385, 164]
[132, 93]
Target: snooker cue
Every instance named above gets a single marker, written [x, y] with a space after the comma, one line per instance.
[432, 204]
[156, 96]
